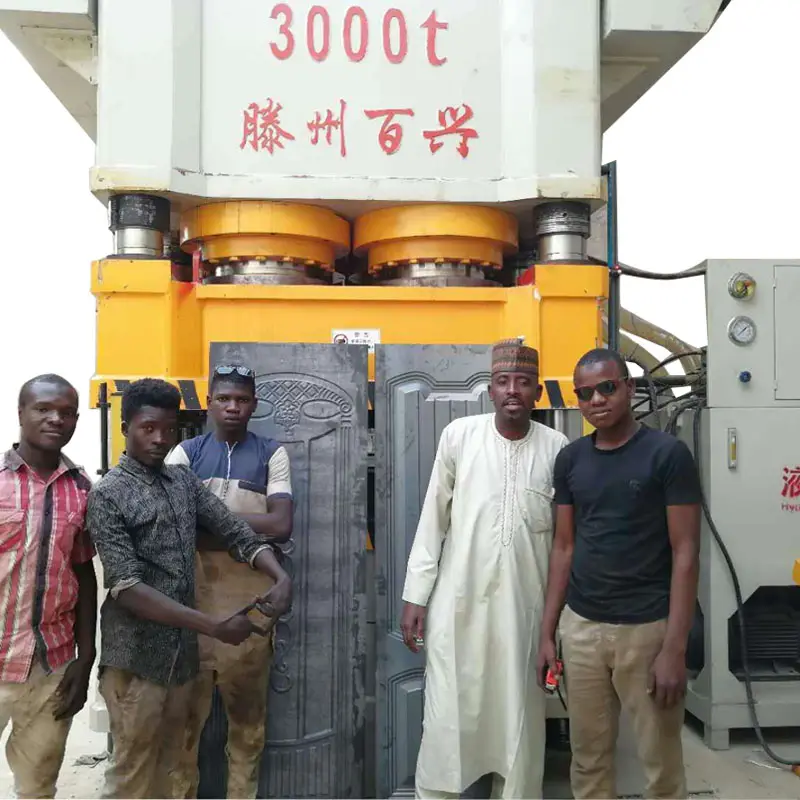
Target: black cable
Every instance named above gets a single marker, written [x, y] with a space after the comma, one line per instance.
[561, 696]
[562, 678]
[751, 702]
[677, 357]
[651, 388]
[683, 402]
[651, 381]
[635, 272]
[675, 381]
[672, 423]
[639, 403]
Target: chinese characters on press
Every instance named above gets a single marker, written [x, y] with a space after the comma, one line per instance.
[263, 129]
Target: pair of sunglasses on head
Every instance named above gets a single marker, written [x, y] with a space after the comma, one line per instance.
[604, 388]
[245, 372]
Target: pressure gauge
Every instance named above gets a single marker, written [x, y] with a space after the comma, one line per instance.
[742, 330]
[741, 286]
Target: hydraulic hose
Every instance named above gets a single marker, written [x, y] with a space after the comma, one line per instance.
[633, 352]
[679, 356]
[644, 329]
[692, 272]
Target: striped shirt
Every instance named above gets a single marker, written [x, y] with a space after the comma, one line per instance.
[244, 476]
[42, 535]
[256, 464]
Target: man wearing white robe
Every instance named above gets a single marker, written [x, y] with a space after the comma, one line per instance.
[474, 590]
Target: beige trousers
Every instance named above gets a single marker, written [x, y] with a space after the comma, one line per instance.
[243, 687]
[148, 728]
[607, 667]
[36, 744]
[240, 673]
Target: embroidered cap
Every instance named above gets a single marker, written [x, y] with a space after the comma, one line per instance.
[511, 355]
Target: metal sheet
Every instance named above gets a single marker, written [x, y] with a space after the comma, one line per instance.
[418, 391]
[313, 400]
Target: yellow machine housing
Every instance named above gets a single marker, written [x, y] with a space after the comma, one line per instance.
[150, 324]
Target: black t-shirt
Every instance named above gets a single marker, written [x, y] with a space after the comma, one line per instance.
[622, 561]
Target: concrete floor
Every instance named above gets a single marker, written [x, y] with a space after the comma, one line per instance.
[741, 773]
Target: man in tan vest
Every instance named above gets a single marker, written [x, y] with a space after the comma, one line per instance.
[251, 475]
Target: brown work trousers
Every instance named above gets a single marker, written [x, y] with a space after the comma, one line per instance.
[36, 744]
[148, 725]
[241, 674]
[607, 666]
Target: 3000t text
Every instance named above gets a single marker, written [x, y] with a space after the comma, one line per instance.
[355, 34]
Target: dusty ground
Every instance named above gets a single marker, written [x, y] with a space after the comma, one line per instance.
[741, 773]
[77, 780]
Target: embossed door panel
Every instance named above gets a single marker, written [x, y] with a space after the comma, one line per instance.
[419, 389]
[313, 399]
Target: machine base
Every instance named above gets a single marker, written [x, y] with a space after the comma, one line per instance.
[777, 706]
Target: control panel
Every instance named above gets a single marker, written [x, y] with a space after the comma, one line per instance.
[753, 313]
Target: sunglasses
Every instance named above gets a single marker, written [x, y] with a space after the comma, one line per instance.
[605, 388]
[245, 372]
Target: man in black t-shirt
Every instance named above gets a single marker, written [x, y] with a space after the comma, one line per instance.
[625, 561]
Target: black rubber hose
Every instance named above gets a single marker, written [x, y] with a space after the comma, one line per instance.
[651, 390]
[634, 272]
[639, 403]
[676, 357]
[679, 381]
[748, 687]
[562, 679]
[683, 402]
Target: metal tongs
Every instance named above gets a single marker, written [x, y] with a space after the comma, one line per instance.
[266, 609]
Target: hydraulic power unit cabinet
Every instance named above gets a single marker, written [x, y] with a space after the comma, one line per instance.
[357, 199]
[747, 446]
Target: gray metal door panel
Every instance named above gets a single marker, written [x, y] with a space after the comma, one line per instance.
[312, 398]
[419, 389]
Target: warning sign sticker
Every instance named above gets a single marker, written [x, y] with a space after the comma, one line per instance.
[367, 336]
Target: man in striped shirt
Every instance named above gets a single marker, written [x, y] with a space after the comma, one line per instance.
[48, 591]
